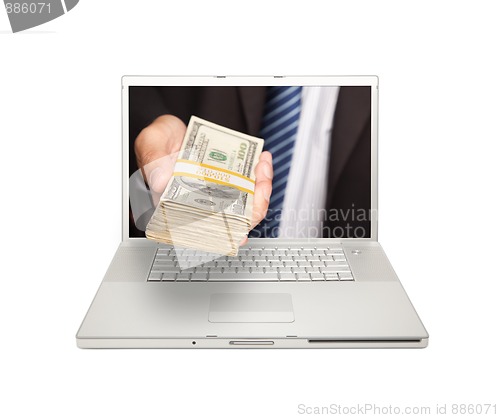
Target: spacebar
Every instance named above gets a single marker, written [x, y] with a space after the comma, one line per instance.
[247, 277]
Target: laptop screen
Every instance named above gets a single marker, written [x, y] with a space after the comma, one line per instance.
[318, 137]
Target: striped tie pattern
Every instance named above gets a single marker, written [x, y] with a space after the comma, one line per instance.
[279, 130]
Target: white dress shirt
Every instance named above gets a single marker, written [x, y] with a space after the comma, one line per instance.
[304, 204]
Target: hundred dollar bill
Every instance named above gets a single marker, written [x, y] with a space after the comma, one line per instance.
[208, 201]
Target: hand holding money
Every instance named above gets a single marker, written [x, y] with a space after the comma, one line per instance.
[156, 150]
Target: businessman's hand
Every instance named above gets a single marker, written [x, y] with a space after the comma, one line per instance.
[156, 150]
[263, 189]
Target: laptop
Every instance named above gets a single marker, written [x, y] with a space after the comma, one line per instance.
[323, 281]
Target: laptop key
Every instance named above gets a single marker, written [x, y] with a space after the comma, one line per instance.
[199, 277]
[331, 276]
[335, 269]
[336, 263]
[324, 257]
[273, 269]
[155, 276]
[287, 277]
[166, 263]
[246, 257]
[163, 257]
[333, 252]
[163, 251]
[303, 276]
[345, 276]
[183, 277]
[165, 267]
[317, 276]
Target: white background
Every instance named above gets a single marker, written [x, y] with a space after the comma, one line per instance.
[60, 211]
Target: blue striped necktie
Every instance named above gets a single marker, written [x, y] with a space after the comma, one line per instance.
[279, 130]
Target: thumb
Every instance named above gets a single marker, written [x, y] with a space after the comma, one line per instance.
[156, 149]
[158, 172]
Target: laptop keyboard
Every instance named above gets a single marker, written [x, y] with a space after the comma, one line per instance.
[258, 264]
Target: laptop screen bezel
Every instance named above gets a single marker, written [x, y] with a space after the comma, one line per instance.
[128, 81]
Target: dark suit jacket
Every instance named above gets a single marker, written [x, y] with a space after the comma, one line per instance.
[241, 108]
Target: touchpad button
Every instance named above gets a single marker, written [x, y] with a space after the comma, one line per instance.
[251, 307]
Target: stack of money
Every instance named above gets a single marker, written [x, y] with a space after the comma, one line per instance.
[207, 204]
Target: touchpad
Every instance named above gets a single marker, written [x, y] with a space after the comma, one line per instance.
[251, 307]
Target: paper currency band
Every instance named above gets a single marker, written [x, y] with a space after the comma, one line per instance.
[215, 175]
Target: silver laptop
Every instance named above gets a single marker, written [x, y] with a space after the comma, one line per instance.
[322, 281]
